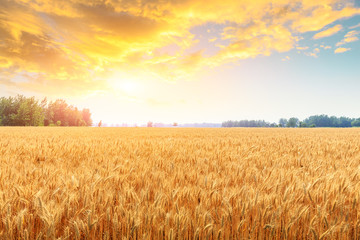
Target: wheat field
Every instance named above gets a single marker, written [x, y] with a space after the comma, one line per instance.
[148, 183]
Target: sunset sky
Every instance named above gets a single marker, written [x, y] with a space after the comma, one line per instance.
[131, 61]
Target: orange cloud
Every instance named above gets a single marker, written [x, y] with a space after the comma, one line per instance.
[328, 32]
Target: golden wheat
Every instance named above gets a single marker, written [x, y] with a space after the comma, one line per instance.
[137, 183]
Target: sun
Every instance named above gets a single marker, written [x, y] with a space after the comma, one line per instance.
[124, 83]
[128, 86]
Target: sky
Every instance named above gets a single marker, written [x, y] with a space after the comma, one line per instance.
[185, 61]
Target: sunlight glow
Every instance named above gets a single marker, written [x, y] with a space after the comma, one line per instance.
[128, 87]
[124, 83]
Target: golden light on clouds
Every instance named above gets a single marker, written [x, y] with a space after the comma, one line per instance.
[328, 32]
[76, 46]
[342, 50]
[349, 37]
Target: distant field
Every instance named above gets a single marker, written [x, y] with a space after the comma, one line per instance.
[149, 183]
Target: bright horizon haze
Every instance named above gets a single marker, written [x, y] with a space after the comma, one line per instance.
[185, 61]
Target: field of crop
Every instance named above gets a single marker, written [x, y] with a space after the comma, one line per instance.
[147, 183]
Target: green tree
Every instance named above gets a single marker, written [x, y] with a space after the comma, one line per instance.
[345, 122]
[293, 122]
[22, 118]
[23, 111]
[27, 111]
[303, 125]
[8, 111]
[356, 123]
[36, 113]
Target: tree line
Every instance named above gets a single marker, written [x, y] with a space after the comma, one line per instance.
[312, 121]
[248, 123]
[28, 111]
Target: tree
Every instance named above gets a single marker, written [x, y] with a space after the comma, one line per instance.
[27, 111]
[293, 122]
[74, 116]
[334, 121]
[86, 115]
[356, 123]
[345, 122]
[303, 125]
[175, 124]
[283, 122]
[21, 111]
[246, 123]
[36, 113]
[149, 124]
[320, 120]
[100, 123]
[8, 111]
[22, 118]
[57, 111]
[326, 121]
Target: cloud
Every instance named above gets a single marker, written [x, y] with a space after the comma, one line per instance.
[349, 37]
[347, 40]
[355, 26]
[302, 48]
[328, 32]
[74, 46]
[319, 14]
[352, 34]
[325, 47]
[314, 53]
[341, 50]
[287, 58]
[212, 39]
[254, 40]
